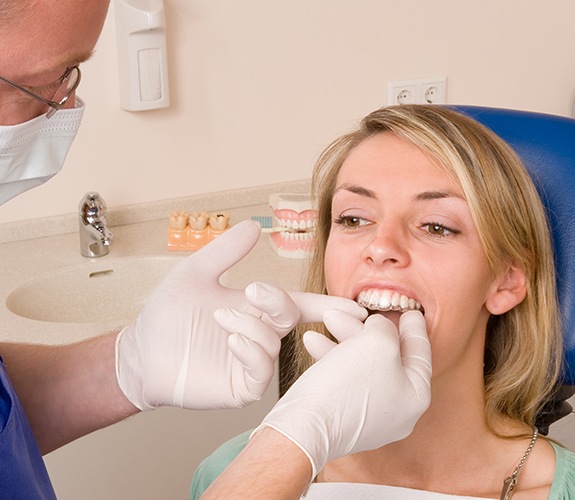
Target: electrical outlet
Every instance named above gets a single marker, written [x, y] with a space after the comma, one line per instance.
[404, 92]
[424, 91]
[433, 90]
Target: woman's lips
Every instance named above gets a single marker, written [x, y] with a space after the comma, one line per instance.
[387, 300]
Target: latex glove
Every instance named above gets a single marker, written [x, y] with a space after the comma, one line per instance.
[363, 393]
[177, 354]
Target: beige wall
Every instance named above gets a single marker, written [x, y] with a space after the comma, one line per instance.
[260, 86]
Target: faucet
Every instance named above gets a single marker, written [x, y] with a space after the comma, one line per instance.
[95, 237]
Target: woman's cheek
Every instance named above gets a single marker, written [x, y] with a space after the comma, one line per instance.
[335, 271]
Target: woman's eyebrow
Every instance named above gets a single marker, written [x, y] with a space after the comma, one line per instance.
[424, 196]
[437, 195]
[352, 188]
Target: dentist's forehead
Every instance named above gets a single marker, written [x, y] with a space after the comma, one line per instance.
[47, 35]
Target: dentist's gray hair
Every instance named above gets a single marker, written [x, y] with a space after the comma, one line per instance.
[523, 346]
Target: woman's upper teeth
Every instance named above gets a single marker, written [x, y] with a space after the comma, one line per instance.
[386, 300]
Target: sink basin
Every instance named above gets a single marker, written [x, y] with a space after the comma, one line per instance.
[91, 292]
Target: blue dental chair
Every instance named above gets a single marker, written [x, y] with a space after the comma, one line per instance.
[546, 144]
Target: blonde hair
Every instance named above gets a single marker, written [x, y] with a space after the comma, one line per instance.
[523, 346]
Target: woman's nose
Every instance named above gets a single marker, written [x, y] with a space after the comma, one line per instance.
[387, 246]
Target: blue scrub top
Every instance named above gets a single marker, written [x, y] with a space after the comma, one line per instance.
[23, 474]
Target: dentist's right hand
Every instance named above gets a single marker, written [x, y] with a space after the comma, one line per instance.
[184, 350]
[363, 393]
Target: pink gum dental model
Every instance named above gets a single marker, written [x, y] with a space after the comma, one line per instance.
[296, 221]
[190, 232]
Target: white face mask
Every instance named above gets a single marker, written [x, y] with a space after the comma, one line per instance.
[32, 152]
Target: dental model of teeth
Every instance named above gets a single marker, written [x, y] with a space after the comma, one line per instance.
[293, 233]
[190, 232]
[387, 300]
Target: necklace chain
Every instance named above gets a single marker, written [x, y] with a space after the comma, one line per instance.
[510, 482]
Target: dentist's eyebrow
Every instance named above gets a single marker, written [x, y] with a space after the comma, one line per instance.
[69, 60]
[77, 58]
[359, 190]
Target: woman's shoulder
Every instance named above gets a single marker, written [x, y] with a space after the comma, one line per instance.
[563, 487]
[214, 465]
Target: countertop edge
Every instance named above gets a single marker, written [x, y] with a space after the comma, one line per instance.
[130, 214]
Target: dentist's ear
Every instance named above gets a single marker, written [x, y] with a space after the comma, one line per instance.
[508, 290]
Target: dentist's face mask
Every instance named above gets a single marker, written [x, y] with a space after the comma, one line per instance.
[32, 152]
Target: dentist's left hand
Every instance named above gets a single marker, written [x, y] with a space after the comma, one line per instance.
[179, 351]
[363, 393]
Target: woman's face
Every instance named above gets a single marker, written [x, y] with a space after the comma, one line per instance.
[401, 229]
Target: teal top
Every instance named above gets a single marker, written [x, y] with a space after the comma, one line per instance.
[563, 487]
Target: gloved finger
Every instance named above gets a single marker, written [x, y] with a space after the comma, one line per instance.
[317, 345]
[280, 312]
[313, 305]
[341, 324]
[413, 335]
[224, 251]
[388, 334]
[250, 327]
[258, 365]
[415, 350]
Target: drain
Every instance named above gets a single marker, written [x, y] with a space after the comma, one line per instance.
[97, 274]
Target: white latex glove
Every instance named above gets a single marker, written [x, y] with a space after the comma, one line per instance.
[176, 353]
[363, 393]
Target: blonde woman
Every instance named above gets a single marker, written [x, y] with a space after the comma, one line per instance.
[423, 208]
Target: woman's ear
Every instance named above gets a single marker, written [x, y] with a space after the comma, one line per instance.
[508, 290]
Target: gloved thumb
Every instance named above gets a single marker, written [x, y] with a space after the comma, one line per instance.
[317, 345]
[415, 351]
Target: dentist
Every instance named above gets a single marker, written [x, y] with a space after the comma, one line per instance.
[51, 395]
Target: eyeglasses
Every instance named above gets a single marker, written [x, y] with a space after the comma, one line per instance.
[65, 87]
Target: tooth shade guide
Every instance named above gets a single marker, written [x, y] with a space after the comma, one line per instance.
[199, 220]
[201, 229]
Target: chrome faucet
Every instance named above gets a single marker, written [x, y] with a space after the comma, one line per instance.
[95, 237]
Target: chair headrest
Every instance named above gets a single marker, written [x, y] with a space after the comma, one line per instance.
[546, 144]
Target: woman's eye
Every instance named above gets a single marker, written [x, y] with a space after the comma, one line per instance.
[350, 221]
[439, 230]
